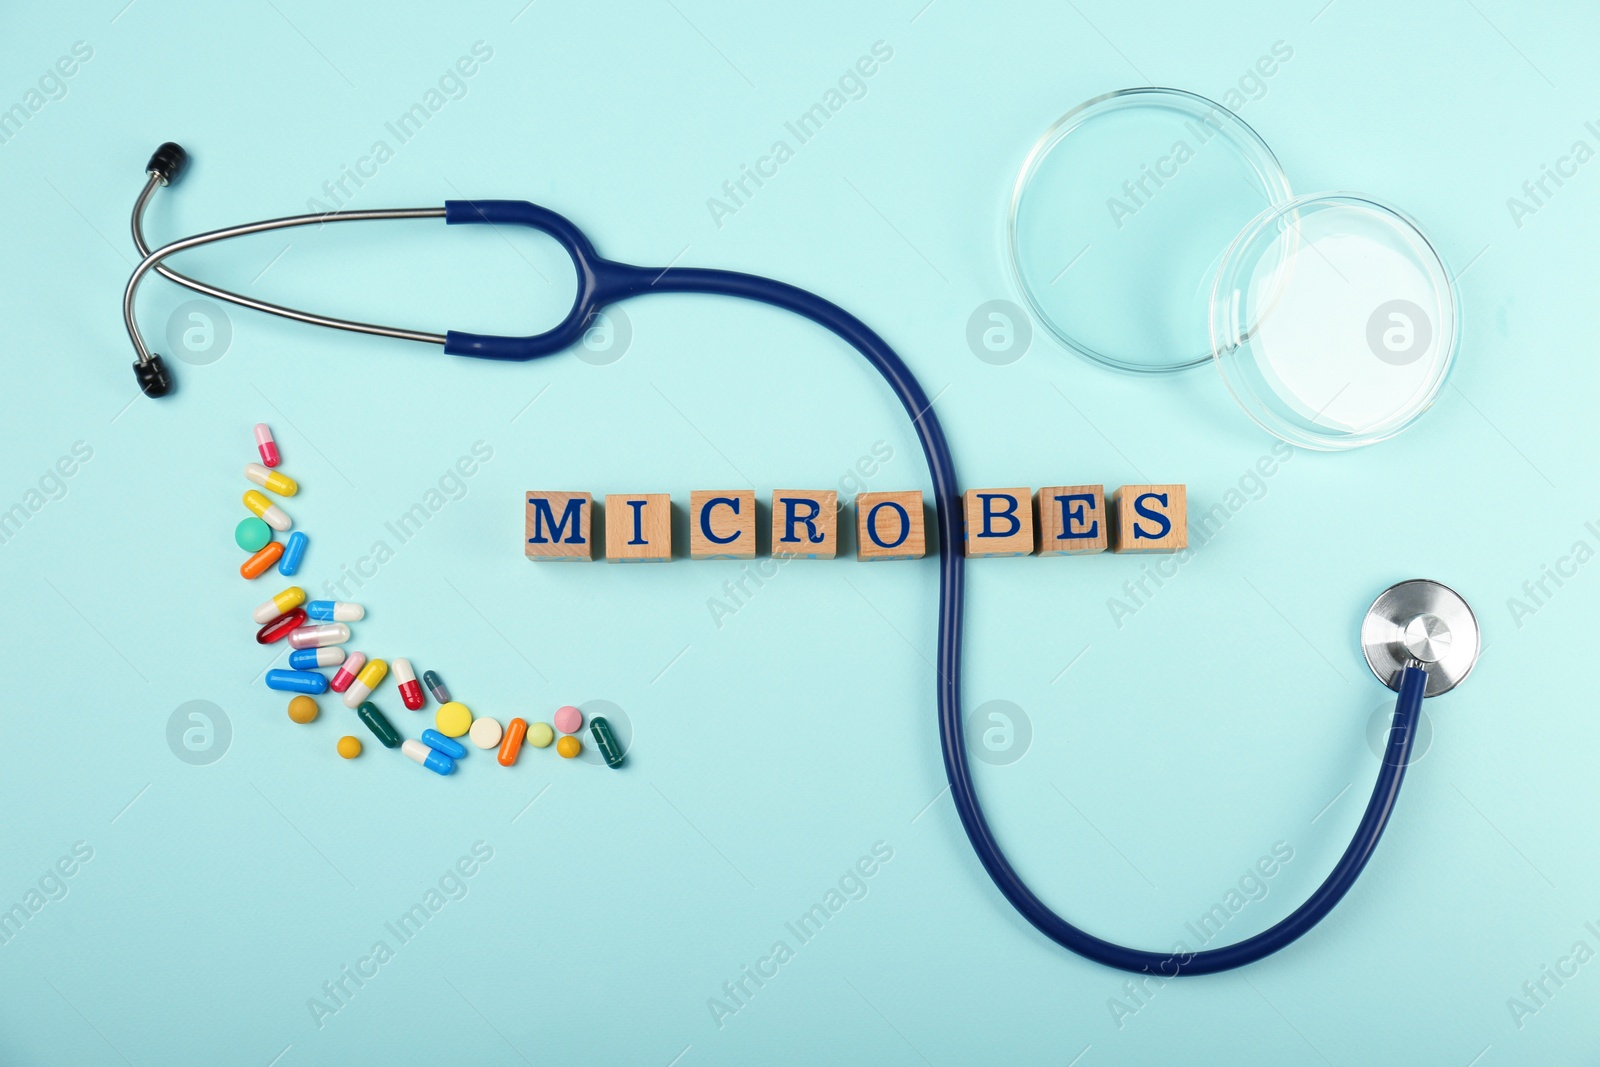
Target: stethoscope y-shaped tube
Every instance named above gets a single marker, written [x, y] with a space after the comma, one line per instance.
[602, 281]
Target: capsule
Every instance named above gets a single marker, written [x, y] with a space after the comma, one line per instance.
[437, 762]
[281, 627]
[439, 742]
[309, 659]
[606, 741]
[266, 445]
[281, 603]
[271, 481]
[410, 688]
[348, 671]
[335, 611]
[365, 682]
[378, 723]
[257, 565]
[328, 633]
[294, 552]
[435, 686]
[511, 743]
[267, 511]
[297, 681]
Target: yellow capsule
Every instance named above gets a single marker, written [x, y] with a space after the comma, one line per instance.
[270, 513]
[270, 480]
[281, 604]
[372, 673]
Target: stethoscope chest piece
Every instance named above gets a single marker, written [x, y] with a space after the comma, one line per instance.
[1424, 621]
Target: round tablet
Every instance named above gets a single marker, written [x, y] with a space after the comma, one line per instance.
[485, 732]
[453, 719]
[349, 747]
[303, 709]
[569, 720]
[540, 735]
[252, 534]
[569, 747]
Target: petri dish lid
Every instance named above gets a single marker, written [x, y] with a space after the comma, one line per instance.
[1333, 321]
[1120, 218]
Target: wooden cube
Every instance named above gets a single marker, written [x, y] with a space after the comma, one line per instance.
[556, 525]
[638, 527]
[999, 522]
[1150, 518]
[891, 526]
[722, 524]
[1072, 520]
[805, 523]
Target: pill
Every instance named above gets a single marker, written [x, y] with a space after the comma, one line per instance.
[410, 688]
[257, 565]
[267, 511]
[540, 735]
[434, 739]
[366, 681]
[294, 552]
[453, 719]
[297, 681]
[435, 761]
[569, 746]
[349, 747]
[511, 744]
[569, 720]
[606, 741]
[279, 628]
[252, 534]
[435, 686]
[379, 724]
[309, 659]
[485, 732]
[327, 633]
[271, 481]
[347, 673]
[266, 445]
[302, 709]
[281, 603]
[335, 611]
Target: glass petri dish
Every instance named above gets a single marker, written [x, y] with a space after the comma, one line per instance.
[1333, 321]
[1120, 217]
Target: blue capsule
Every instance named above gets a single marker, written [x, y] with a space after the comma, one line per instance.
[437, 762]
[335, 611]
[440, 743]
[294, 550]
[309, 659]
[297, 681]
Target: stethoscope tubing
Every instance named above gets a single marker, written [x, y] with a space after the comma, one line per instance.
[603, 281]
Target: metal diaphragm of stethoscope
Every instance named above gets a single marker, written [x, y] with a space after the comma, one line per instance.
[1294, 327]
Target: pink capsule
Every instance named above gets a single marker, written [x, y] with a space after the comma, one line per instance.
[347, 673]
[406, 679]
[266, 445]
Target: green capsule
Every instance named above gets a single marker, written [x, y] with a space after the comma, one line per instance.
[379, 724]
[606, 741]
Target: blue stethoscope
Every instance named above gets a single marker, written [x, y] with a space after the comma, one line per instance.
[1419, 637]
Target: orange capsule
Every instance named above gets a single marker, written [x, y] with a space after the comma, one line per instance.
[511, 744]
[257, 565]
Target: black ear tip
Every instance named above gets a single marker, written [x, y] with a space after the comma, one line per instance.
[167, 162]
[153, 377]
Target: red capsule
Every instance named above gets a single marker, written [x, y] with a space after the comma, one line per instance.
[266, 445]
[406, 681]
[279, 628]
[511, 743]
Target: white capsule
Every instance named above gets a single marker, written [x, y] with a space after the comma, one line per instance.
[357, 692]
[276, 518]
[335, 611]
[401, 669]
[332, 633]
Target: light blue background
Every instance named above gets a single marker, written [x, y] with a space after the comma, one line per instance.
[1229, 714]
